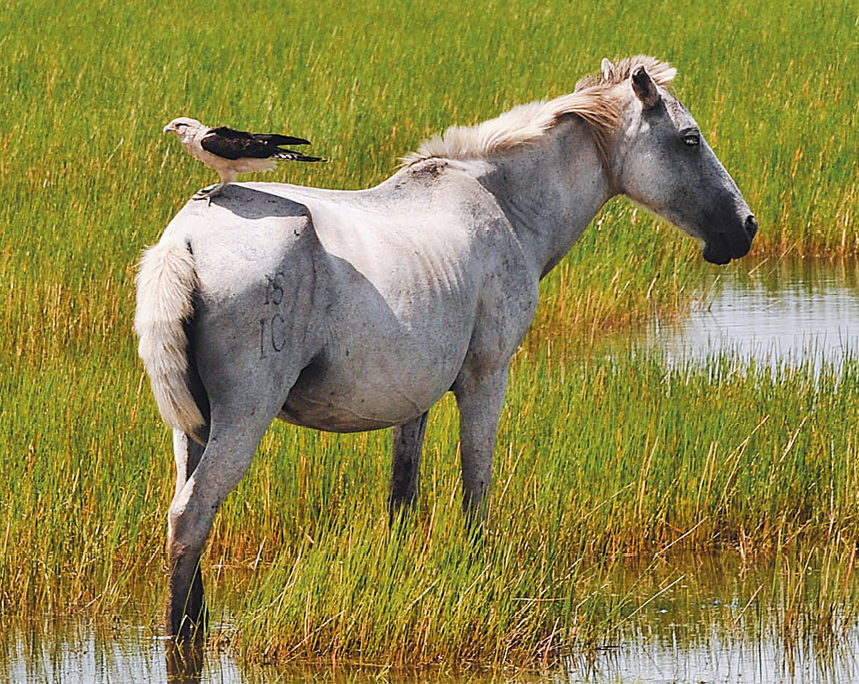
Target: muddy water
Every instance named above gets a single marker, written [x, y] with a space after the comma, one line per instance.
[694, 620]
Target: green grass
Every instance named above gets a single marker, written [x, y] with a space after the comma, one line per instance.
[596, 459]
[600, 460]
[704, 459]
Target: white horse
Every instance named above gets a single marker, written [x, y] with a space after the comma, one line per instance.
[352, 311]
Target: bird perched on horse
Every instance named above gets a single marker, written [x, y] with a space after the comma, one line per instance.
[231, 152]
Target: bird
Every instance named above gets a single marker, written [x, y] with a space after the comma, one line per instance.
[231, 152]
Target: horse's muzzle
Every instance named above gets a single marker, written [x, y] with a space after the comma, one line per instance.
[724, 245]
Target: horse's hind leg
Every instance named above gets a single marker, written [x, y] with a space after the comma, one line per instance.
[187, 453]
[225, 460]
[408, 441]
[185, 614]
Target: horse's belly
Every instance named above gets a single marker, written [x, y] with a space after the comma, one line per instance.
[325, 400]
[299, 411]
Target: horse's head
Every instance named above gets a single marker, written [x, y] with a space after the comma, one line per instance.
[662, 162]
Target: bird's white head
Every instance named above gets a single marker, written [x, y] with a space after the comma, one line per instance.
[185, 128]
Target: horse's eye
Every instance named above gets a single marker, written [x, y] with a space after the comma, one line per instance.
[692, 139]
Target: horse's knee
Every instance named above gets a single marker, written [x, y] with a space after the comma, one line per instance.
[404, 484]
[474, 493]
[188, 527]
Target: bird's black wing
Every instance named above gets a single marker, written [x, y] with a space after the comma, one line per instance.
[232, 144]
[277, 139]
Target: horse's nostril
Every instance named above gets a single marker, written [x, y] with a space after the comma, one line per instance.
[751, 225]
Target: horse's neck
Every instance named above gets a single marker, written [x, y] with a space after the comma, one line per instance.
[550, 192]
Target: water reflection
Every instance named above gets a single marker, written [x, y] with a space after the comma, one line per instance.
[718, 619]
[685, 618]
[83, 651]
[718, 660]
[785, 311]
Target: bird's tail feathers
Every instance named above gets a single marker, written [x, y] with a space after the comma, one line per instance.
[297, 156]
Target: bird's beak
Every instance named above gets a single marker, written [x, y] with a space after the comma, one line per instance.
[167, 128]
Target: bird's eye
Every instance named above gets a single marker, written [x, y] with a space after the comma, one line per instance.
[692, 139]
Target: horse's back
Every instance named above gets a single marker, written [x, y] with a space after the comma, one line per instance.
[364, 303]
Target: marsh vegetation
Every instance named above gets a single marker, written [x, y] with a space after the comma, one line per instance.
[601, 462]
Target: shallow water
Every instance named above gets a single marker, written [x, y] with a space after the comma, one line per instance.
[82, 651]
[715, 618]
[687, 619]
[785, 312]
[697, 621]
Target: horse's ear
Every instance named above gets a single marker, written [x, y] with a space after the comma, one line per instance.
[644, 86]
[607, 69]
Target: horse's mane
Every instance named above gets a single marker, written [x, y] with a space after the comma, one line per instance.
[595, 100]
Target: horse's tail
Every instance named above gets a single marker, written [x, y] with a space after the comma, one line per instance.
[166, 283]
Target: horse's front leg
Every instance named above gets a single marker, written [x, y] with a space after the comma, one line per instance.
[408, 442]
[480, 399]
